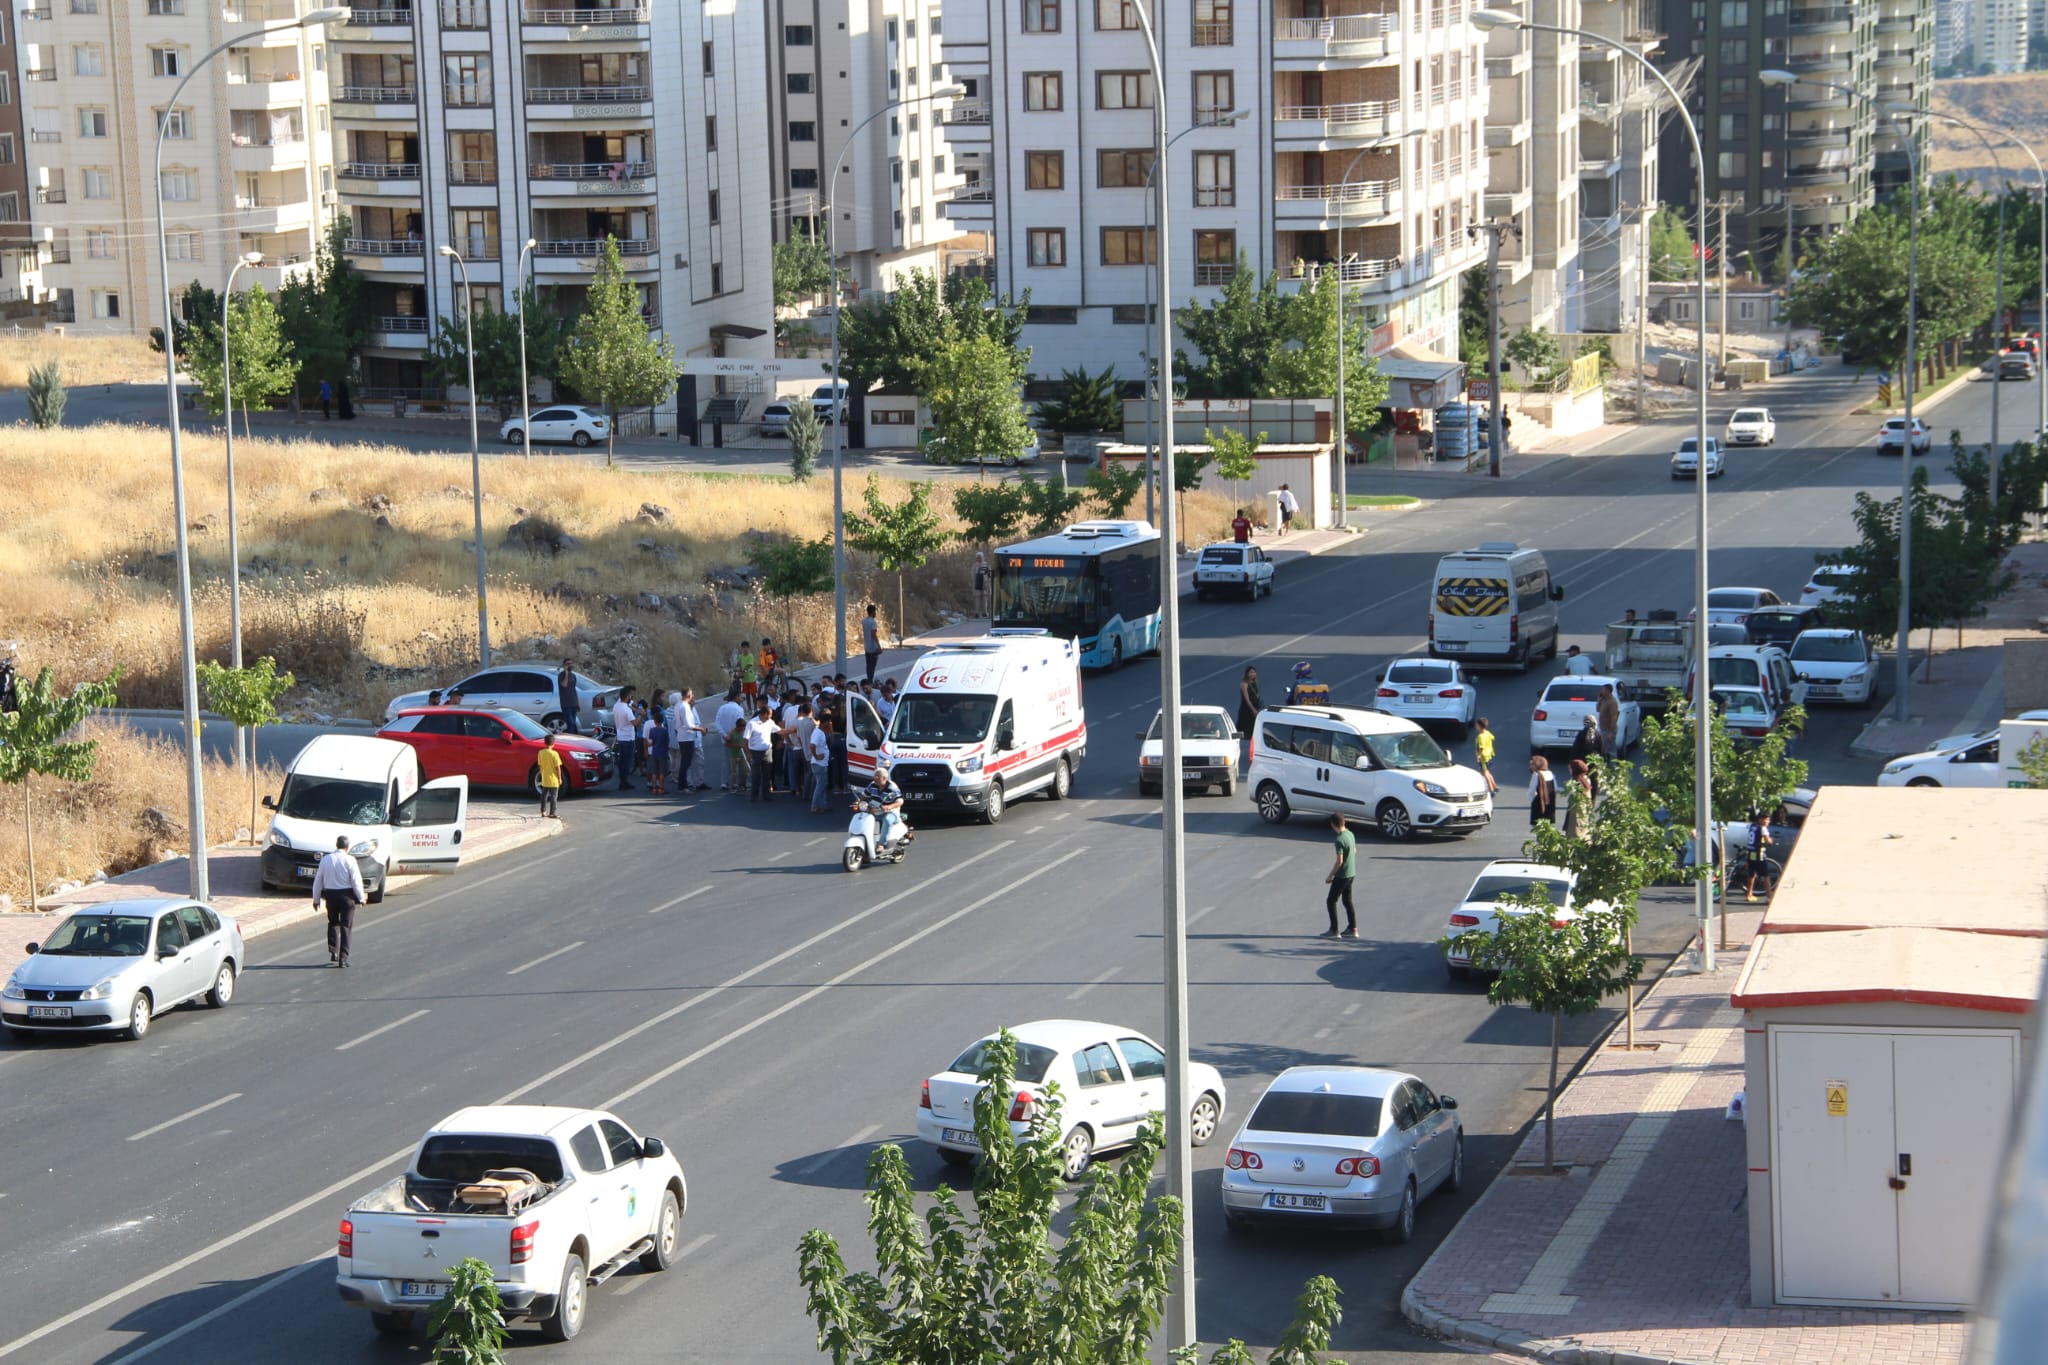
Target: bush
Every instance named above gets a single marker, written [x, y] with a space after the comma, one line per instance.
[46, 395]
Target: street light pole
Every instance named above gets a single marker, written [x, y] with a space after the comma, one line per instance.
[227, 405]
[525, 385]
[476, 468]
[195, 788]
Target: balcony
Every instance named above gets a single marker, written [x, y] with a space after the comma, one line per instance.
[1350, 37]
[1210, 34]
[261, 90]
[265, 213]
[1347, 202]
[1823, 19]
[1819, 63]
[1211, 273]
[975, 201]
[1798, 177]
[577, 178]
[49, 194]
[597, 23]
[1806, 96]
[466, 16]
[968, 121]
[1817, 137]
[376, 24]
[472, 172]
[579, 255]
[381, 177]
[39, 73]
[401, 332]
[1895, 23]
[1832, 212]
[1895, 56]
[273, 275]
[611, 102]
[267, 153]
[379, 102]
[1319, 122]
[45, 135]
[386, 253]
[36, 14]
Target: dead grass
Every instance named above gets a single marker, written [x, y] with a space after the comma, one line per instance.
[2017, 104]
[86, 360]
[101, 825]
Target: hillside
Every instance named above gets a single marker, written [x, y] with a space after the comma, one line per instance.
[2015, 104]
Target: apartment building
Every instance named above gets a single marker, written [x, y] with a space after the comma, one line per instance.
[20, 263]
[1360, 142]
[830, 66]
[482, 124]
[1619, 106]
[1954, 25]
[245, 153]
[2002, 32]
[1532, 133]
[1905, 76]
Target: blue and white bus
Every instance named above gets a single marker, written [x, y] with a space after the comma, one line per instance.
[1096, 583]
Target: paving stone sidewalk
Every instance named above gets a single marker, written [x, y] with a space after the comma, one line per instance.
[1640, 1253]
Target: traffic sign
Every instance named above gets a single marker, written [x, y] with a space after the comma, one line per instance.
[1479, 390]
[789, 367]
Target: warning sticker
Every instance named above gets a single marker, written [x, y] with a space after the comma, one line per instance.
[1838, 1099]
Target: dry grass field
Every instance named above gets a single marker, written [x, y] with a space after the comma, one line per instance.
[2017, 104]
[86, 361]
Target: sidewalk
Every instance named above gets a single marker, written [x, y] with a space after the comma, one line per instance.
[234, 875]
[1966, 694]
[1639, 1255]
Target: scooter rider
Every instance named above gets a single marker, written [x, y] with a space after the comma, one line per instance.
[884, 792]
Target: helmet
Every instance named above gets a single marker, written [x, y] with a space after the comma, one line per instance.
[1301, 670]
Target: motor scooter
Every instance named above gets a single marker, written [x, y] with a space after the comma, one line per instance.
[864, 839]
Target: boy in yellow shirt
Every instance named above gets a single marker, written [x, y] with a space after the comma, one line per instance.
[550, 764]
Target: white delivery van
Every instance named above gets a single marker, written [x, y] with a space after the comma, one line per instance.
[368, 789]
[1494, 602]
[979, 724]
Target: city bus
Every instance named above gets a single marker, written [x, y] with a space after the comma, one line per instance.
[1096, 583]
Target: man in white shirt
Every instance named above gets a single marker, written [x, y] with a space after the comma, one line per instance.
[1289, 505]
[820, 750]
[761, 733]
[730, 714]
[790, 742]
[338, 881]
[1577, 665]
[625, 736]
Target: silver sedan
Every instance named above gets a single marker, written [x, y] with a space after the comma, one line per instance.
[115, 967]
[1355, 1146]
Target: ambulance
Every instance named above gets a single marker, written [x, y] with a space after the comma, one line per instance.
[978, 724]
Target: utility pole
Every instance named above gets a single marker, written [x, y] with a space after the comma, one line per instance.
[1722, 252]
[1791, 242]
[1643, 324]
[1494, 438]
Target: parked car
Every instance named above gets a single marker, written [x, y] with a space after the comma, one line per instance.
[1481, 909]
[1337, 759]
[1780, 625]
[1752, 427]
[1892, 436]
[1562, 710]
[116, 966]
[1353, 1146]
[1732, 606]
[1229, 567]
[829, 400]
[1110, 1081]
[1750, 713]
[1208, 751]
[1826, 583]
[1685, 464]
[1951, 742]
[528, 688]
[1975, 765]
[1836, 665]
[560, 422]
[1426, 691]
[495, 748]
[775, 418]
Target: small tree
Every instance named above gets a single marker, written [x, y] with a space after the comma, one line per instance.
[971, 386]
[791, 569]
[2033, 761]
[1115, 485]
[1048, 506]
[33, 742]
[1086, 402]
[497, 349]
[1187, 476]
[1234, 457]
[611, 358]
[46, 394]
[803, 268]
[467, 1327]
[806, 439]
[988, 512]
[1671, 246]
[264, 366]
[1536, 352]
[248, 697]
[1558, 968]
[901, 536]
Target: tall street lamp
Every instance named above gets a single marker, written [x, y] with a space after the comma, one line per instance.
[476, 469]
[195, 791]
[840, 405]
[525, 387]
[1703, 766]
[227, 403]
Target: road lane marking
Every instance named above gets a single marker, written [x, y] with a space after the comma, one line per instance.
[386, 1028]
[615, 834]
[813, 843]
[672, 904]
[1321, 1034]
[546, 957]
[325, 1257]
[188, 1114]
[359, 1177]
[824, 1159]
[1092, 983]
[780, 856]
[1199, 913]
[1270, 868]
[386, 915]
[1354, 1007]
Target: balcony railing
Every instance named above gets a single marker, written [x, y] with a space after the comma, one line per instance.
[585, 94]
[603, 14]
[235, 11]
[1371, 195]
[472, 172]
[1212, 115]
[378, 170]
[593, 170]
[255, 140]
[40, 73]
[381, 15]
[403, 322]
[384, 246]
[1212, 34]
[257, 201]
[1815, 15]
[1802, 61]
[968, 111]
[262, 77]
[1365, 111]
[973, 193]
[45, 135]
[39, 13]
[49, 194]
[59, 255]
[1215, 272]
[378, 94]
[1344, 28]
[594, 246]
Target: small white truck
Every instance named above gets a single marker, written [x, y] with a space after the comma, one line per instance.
[1648, 658]
[554, 1200]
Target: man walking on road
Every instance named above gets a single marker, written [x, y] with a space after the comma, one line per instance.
[871, 640]
[566, 697]
[981, 584]
[1343, 873]
[820, 751]
[1577, 665]
[338, 881]
[549, 761]
[1289, 505]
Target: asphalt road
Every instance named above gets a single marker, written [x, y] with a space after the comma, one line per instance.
[706, 969]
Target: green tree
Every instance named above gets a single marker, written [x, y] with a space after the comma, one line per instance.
[497, 349]
[611, 358]
[1115, 485]
[198, 307]
[791, 569]
[1536, 352]
[467, 1327]
[892, 339]
[899, 536]
[46, 395]
[1258, 341]
[990, 1283]
[1956, 571]
[1188, 466]
[1049, 506]
[247, 696]
[971, 387]
[264, 365]
[34, 742]
[1234, 453]
[989, 513]
[325, 312]
[1671, 246]
[806, 440]
[1566, 967]
[2033, 761]
[803, 268]
[1085, 403]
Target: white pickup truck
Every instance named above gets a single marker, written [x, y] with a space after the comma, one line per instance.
[554, 1200]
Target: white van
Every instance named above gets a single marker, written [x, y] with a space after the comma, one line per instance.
[1494, 602]
[979, 724]
[1366, 765]
[370, 790]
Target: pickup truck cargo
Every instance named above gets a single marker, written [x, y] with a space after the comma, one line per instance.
[1647, 658]
[554, 1200]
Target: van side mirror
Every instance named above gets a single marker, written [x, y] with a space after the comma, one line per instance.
[270, 803]
[1446, 1102]
[34, 948]
[1556, 593]
[650, 1148]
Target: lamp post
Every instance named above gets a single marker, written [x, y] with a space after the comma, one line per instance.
[476, 469]
[227, 405]
[525, 387]
[195, 792]
[840, 405]
[1703, 773]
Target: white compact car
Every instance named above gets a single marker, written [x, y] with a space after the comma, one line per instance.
[1481, 909]
[1685, 464]
[1426, 691]
[1892, 436]
[1732, 606]
[1825, 584]
[1562, 710]
[114, 967]
[1110, 1081]
[1323, 760]
[1208, 751]
[560, 422]
[528, 688]
[1230, 567]
[1975, 765]
[1836, 665]
[1752, 427]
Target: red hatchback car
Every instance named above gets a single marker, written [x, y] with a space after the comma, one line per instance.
[495, 748]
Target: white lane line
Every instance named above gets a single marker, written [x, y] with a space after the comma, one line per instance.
[780, 856]
[615, 834]
[387, 914]
[824, 1159]
[672, 904]
[324, 1258]
[362, 1176]
[1354, 1007]
[386, 1028]
[813, 843]
[1062, 815]
[1270, 868]
[1322, 1033]
[546, 957]
[1199, 913]
[188, 1114]
[1091, 984]
[1034, 829]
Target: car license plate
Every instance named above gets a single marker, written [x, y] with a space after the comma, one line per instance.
[1816, 690]
[1450, 648]
[920, 796]
[1191, 775]
[49, 1011]
[422, 1289]
[1313, 1202]
[959, 1135]
[1567, 735]
[304, 874]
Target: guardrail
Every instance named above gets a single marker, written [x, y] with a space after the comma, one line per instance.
[411, 323]
[622, 14]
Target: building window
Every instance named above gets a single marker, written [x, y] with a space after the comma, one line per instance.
[799, 82]
[106, 303]
[166, 6]
[10, 207]
[709, 64]
[1123, 168]
[6, 149]
[1045, 170]
[803, 130]
[485, 298]
[912, 124]
[1215, 180]
[803, 177]
[1129, 246]
[711, 132]
[99, 246]
[473, 158]
[1114, 16]
[1041, 16]
[177, 124]
[468, 79]
[1048, 246]
[92, 123]
[1215, 97]
[938, 165]
[476, 234]
[711, 206]
[1132, 313]
[1212, 23]
[892, 417]
[1055, 317]
[895, 81]
[180, 187]
[185, 246]
[1042, 91]
[916, 215]
[796, 35]
[166, 61]
[938, 72]
[98, 184]
[1123, 90]
[889, 30]
[1215, 257]
[717, 277]
[895, 171]
[910, 30]
[319, 58]
[916, 168]
[86, 61]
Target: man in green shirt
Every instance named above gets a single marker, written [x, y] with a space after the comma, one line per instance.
[1342, 874]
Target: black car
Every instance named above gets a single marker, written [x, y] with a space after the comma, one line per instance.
[1780, 625]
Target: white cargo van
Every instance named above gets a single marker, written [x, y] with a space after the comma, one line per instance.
[370, 790]
[1494, 602]
[979, 724]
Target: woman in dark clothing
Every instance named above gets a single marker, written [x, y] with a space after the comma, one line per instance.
[1248, 703]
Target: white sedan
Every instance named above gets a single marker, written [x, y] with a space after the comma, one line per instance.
[1685, 464]
[1892, 436]
[1481, 909]
[1752, 427]
[1230, 567]
[559, 422]
[1827, 583]
[114, 967]
[1562, 710]
[1974, 766]
[1428, 690]
[1110, 1081]
[1836, 665]
[1208, 751]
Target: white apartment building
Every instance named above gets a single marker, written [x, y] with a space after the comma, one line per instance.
[1361, 143]
[1617, 172]
[245, 153]
[1532, 138]
[1954, 21]
[830, 66]
[2001, 36]
[479, 124]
